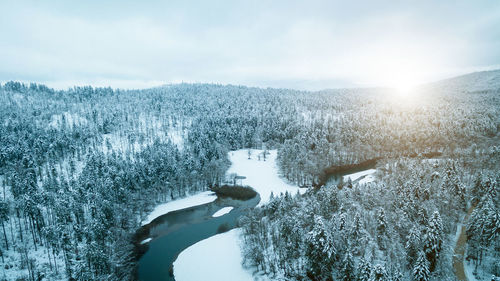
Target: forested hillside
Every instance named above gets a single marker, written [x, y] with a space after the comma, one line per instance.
[80, 168]
[400, 227]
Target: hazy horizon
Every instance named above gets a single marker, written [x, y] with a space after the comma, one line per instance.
[313, 46]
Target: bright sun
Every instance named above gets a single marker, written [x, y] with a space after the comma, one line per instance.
[404, 79]
[401, 69]
[404, 83]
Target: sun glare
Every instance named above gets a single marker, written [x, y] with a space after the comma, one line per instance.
[401, 69]
[404, 84]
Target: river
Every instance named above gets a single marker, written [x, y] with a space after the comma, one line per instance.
[175, 231]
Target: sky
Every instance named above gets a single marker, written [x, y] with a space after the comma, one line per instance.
[308, 45]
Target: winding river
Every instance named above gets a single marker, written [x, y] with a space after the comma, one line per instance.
[175, 231]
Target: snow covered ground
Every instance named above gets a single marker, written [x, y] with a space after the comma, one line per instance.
[13, 269]
[216, 258]
[261, 175]
[222, 212]
[367, 179]
[481, 274]
[190, 201]
[71, 119]
[358, 175]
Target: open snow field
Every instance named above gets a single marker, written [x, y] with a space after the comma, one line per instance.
[188, 202]
[261, 175]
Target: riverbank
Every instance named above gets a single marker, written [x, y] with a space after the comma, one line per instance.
[216, 258]
[179, 204]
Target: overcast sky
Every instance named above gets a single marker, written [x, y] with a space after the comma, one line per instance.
[304, 45]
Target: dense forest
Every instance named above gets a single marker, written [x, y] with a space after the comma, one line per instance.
[80, 168]
[401, 227]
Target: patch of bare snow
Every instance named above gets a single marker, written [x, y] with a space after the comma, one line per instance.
[70, 119]
[367, 179]
[222, 212]
[176, 136]
[188, 202]
[147, 240]
[358, 175]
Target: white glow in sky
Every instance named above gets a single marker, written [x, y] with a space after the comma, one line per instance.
[304, 45]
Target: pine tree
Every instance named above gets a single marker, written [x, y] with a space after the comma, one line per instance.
[347, 272]
[433, 239]
[412, 245]
[321, 250]
[397, 275]
[364, 270]
[4, 217]
[421, 268]
[379, 273]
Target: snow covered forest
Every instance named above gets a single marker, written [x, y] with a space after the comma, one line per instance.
[81, 168]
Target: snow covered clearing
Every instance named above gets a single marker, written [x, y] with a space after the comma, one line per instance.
[222, 212]
[190, 201]
[261, 175]
[153, 130]
[225, 267]
[67, 119]
[177, 136]
[13, 267]
[358, 175]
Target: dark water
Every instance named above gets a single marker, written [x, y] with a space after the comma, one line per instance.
[175, 231]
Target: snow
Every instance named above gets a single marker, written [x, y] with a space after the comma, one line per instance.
[71, 120]
[469, 268]
[261, 175]
[12, 269]
[457, 233]
[152, 129]
[188, 202]
[222, 212]
[367, 179]
[147, 240]
[481, 273]
[226, 266]
[8, 194]
[358, 175]
[177, 136]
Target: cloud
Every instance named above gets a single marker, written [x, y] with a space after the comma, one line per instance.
[311, 45]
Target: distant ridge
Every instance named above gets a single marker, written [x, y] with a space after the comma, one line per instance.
[472, 82]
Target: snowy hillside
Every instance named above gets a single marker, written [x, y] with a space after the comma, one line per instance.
[477, 81]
